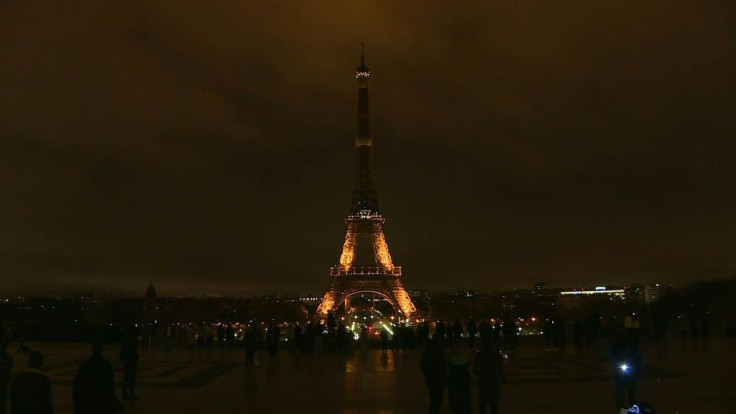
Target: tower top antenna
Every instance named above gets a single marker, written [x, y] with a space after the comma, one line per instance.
[363, 67]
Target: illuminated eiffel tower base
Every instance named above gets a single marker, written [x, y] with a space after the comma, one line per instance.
[383, 279]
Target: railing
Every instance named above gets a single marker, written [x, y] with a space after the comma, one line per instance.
[365, 271]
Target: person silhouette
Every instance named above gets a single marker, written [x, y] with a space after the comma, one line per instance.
[145, 335]
[384, 341]
[458, 380]
[6, 367]
[439, 332]
[472, 331]
[433, 368]
[129, 356]
[93, 389]
[509, 333]
[30, 392]
[170, 335]
[221, 332]
[488, 367]
[457, 332]
[318, 337]
[342, 338]
[298, 337]
[251, 341]
[21, 359]
[272, 338]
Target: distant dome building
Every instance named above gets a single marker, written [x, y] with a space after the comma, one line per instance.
[150, 292]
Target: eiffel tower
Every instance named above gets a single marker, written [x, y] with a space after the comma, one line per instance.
[365, 263]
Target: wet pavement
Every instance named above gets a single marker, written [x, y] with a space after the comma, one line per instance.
[690, 377]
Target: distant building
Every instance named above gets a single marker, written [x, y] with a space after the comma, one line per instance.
[651, 293]
[150, 292]
[598, 290]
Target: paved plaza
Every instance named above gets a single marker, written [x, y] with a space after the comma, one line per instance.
[690, 377]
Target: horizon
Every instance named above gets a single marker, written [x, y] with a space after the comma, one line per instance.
[162, 293]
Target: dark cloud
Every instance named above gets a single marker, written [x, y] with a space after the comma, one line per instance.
[208, 147]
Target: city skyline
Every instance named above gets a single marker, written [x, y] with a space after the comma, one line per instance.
[516, 143]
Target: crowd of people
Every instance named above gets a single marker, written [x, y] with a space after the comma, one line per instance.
[454, 355]
[29, 392]
[453, 371]
[93, 386]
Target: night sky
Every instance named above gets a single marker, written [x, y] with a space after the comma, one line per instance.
[208, 146]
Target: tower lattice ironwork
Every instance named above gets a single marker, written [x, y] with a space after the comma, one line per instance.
[365, 263]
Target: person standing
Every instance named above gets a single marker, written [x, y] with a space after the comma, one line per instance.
[145, 335]
[548, 333]
[458, 380]
[439, 332]
[682, 325]
[423, 334]
[628, 325]
[30, 392]
[488, 367]
[129, 356]
[229, 334]
[6, 367]
[220, 335]
[250, 340]
[509, 333]
[21, 359]
[298, 337]
[397, 338]
[210, 332]
[343, 338]
[384, 341]
[93, 391]
[457, 332]
[472, 331]
[635, 328]
[363, 339]
[433, 368]
[272, 338]
[318, 337]
[201, 335]
[169, 340]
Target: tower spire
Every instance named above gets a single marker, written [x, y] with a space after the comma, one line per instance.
[364, 192]
[363, 67]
